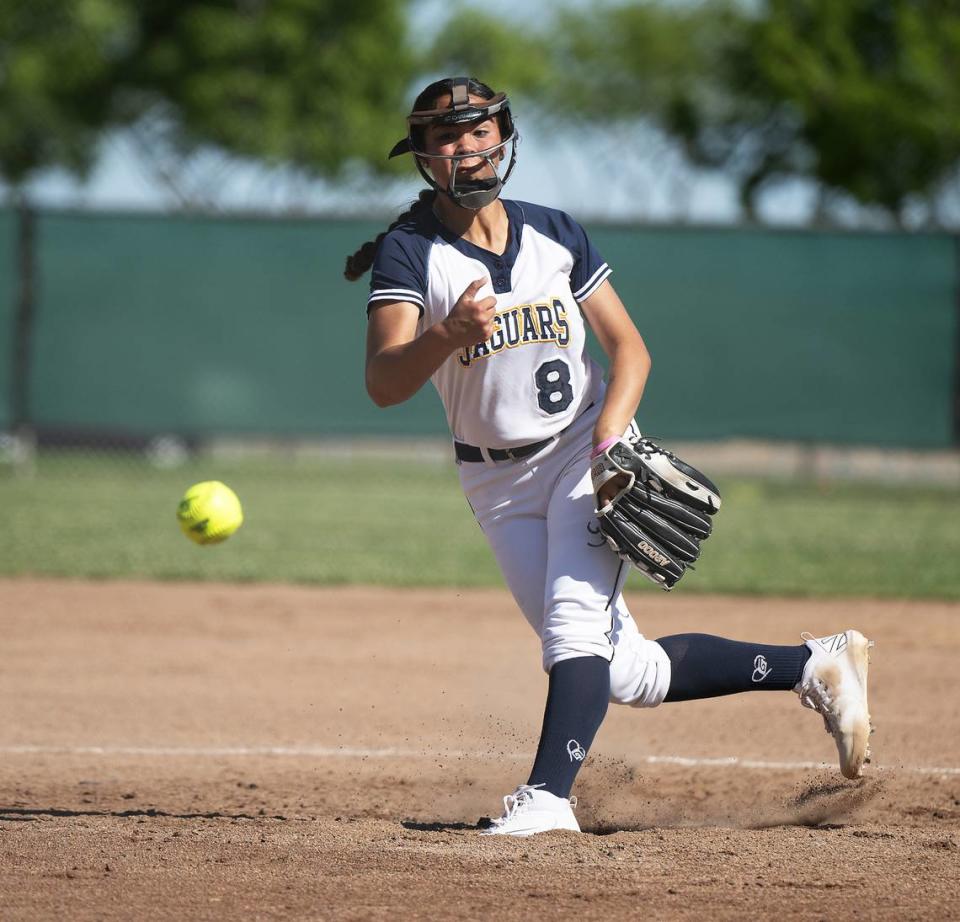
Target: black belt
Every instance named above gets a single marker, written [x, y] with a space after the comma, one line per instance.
[472, 453]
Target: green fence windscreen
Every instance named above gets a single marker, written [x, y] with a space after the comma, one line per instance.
[195, 325]
[198, 325]
[826, 337]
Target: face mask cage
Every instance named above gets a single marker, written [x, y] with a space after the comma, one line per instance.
[468, 193]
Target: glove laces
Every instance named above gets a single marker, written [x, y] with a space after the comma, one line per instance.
[647, 447]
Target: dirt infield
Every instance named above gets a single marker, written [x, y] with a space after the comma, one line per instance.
[268, 752]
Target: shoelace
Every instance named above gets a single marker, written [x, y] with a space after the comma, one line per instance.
[516, 803]
[815, 695]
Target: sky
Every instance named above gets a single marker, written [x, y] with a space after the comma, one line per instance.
[636, 177]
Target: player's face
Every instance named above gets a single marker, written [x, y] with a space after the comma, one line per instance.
[450, 140]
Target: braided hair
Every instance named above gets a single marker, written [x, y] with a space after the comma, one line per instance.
[360, 262]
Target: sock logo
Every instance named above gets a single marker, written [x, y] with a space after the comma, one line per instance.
[576, 751]
[760, 668]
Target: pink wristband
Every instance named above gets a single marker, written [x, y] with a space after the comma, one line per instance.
[603, 446]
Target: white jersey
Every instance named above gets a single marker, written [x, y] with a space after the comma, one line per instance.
[533, 376]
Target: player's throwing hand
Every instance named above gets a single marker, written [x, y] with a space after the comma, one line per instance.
[471, 321]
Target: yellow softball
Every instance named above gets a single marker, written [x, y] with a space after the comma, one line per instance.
[209, 512]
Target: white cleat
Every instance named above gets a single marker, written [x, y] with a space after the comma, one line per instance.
[529, 810]
[834, 683]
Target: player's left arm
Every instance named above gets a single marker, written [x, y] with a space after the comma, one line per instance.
[629, 360]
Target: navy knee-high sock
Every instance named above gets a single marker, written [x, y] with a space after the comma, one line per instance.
[576, 705]
[704, 666]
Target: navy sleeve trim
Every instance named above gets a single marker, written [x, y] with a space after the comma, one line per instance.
[595, 281]
[400, 266]
[398, 294]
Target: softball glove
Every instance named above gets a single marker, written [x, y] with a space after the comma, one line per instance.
[658, 520]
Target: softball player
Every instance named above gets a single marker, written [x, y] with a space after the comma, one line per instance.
[490, 299]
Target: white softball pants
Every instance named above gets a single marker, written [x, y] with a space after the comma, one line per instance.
[538, 515]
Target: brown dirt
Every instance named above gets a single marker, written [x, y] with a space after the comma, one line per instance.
[266, 752]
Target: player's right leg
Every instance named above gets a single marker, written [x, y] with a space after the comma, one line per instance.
[511, 504]
[578, 689]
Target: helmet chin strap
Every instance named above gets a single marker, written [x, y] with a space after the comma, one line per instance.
[473, 194]
[481, 195]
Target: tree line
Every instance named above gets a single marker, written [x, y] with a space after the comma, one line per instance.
[861, 97]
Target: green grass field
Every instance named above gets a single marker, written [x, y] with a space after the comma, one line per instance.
[407, 524]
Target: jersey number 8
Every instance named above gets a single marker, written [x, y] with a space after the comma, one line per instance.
[554, 393]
